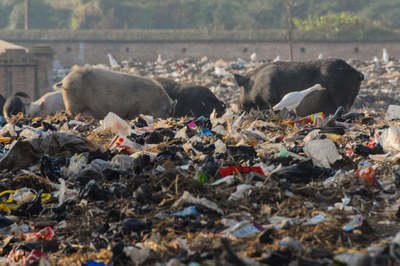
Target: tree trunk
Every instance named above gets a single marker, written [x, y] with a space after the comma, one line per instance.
[27, 26]
[288, 4]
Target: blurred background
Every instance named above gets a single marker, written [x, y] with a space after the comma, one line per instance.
[334, 17]
[84, 31]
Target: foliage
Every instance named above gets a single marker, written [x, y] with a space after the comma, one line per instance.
[387, 12]
[337, 24]
[334, 17]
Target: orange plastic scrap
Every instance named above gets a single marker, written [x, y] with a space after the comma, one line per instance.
[242, 169]
[310, 119]
[5, 139]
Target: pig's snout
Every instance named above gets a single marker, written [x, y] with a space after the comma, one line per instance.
[172, 107]
[361, 77]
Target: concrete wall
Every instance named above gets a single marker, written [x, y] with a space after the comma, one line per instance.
[81, 52]
[17, 73]
[43, 56]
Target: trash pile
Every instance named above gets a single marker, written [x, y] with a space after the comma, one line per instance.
[255, 188]
[379, 89]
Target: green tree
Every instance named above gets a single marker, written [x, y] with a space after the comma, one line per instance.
[6, 7]
[42, 15]
[194, 14]
[16, 18]
[387, 12]
[337, 25]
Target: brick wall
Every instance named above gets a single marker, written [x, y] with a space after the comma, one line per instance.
[17, 73]
[22, 71]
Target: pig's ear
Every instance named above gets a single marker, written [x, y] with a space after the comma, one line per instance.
[42, 103]
[57, 86]
[173, 106]
[240, 80]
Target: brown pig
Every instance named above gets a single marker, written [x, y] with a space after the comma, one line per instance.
[96, 92]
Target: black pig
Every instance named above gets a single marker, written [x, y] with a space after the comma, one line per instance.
[267, 85]
[14, 105]
[193, 100]
[2, 102]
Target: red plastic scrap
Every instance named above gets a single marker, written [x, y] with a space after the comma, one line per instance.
[242, 169]
[368, 174]
[349, 150]
[35, 256]
[44, 234]
[122, 143]
[372, 144]
[310, 119]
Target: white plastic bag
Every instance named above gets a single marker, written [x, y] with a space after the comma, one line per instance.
[390, 139]
[323, 152]
[220, 146]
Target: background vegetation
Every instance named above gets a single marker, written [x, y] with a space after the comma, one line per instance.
[333, 18]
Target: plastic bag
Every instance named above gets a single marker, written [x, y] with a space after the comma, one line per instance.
[220, 146]
[76, 163]
[240, 192]
[390, 139]
[323, 152]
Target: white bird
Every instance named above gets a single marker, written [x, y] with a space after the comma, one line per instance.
[113, 62]
[277, 58]
[160, 60]
[253, 57]
[376, 61]
[321, 56]
[385, 56]
[203, 60]
[292, 100]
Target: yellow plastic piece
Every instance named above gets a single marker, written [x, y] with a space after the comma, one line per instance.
[9, 204]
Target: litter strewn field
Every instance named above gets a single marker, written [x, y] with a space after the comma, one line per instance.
[246, 188]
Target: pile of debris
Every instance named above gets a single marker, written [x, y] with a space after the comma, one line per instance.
[251, 188]
[378, 90]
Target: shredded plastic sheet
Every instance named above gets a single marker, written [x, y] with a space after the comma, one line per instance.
[241, 169]
[188, 198]
[356, 222]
